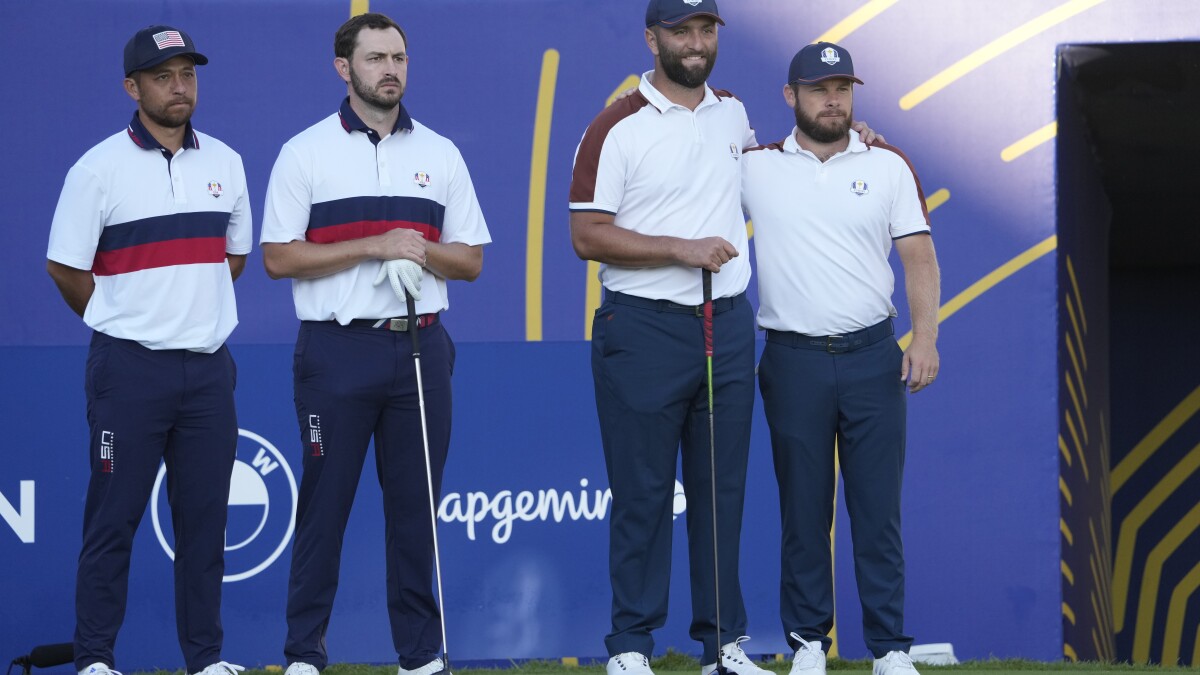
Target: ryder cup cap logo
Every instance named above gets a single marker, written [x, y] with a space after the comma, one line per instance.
[421, 178]
[214, 188]
[859, 187]
[830, 56]
[693, 3]
[262, 508]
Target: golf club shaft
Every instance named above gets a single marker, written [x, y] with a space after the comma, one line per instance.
[414, 331]
[712, 455]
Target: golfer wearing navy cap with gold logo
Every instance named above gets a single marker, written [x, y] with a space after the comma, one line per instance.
[151, 229]
[827, 210]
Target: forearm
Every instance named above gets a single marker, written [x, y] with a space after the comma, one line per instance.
[237, 264]
[454, 260]
[613, 245]
[923, 282]
[306, 260]
[75, 285]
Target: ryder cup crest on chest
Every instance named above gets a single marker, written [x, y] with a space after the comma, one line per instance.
[422, 179]
[859, 187]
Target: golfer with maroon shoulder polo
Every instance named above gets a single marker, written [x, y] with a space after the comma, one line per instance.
[827, 210]
[655, 199]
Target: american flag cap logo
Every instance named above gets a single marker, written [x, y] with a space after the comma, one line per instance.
[168, 38]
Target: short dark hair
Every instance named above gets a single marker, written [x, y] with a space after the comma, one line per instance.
[347, 36]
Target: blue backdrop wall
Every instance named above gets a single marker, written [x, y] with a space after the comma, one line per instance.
[966, 89]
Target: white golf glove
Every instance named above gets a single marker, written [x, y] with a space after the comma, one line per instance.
[404, 275]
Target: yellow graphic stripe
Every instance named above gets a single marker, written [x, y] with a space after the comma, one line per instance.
[1176, 613]
[1152, 577]
[1078, 447]
[1127, 539]
[1066, 491]
[1066, 532]
[1103, 583]
[1062, 449]
[1077, 334]
[536, 228]
[855, 21]
[937, 199]
[1077, 407]
[359, 7]
[994, 49]
[1069, 652]
[1067, 572]
[1096, 643]
[990, 281]
[1153, 440]
[1067, 612]
[592, 297]
[570, 660]
[1077, 371]
[1046, 133]
[1196, 649]
[1078, 295]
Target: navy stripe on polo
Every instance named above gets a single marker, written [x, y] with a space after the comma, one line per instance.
[358, 217]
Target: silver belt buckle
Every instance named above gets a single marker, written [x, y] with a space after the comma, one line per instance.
[398, 325]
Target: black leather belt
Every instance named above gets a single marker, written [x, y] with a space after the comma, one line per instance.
[399, 324]
[834, 344]
[719, 304]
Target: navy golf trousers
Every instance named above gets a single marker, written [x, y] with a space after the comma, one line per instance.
[648, 365]
[352, 383]
[849, 390]
[145, 407]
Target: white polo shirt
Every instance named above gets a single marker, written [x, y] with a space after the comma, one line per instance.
[664, 170]
[823, 233]
[154, 230]
[338, 181]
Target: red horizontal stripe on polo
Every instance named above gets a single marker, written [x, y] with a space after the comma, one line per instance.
[159, 254]
[369, 228]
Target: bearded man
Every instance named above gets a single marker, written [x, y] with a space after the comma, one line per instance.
[367, 194]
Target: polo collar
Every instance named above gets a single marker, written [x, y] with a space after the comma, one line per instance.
[144, 140]
[791, 145]
[352, 122]
[662, 103]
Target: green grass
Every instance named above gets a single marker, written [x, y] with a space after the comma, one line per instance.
[674, 663]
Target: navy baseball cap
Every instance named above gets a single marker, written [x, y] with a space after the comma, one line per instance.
[821, 61]
[673, 12]
[152, 45]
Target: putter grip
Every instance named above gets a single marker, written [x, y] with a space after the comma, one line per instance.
[413, 329]
[707, 280]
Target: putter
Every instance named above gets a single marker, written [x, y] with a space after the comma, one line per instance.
[712, 457]
[414, 331]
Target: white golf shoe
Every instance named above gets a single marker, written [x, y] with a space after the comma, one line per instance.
[434, 666]
[736, 661]
[98, 669]
[629, 663]
[809, 658]
[221, 668]
[301, 668]
[894, 663]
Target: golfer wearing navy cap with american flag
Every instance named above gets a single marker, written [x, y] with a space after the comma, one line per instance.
[151, 229]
